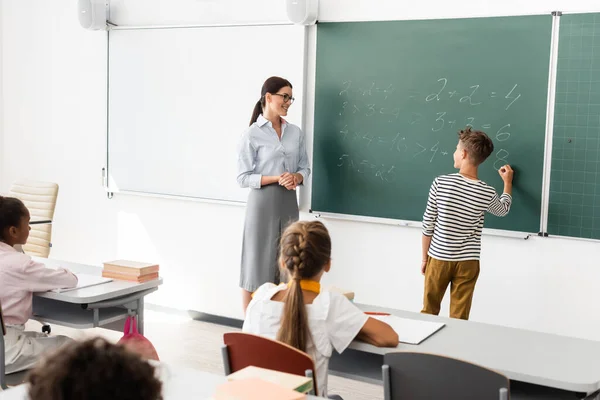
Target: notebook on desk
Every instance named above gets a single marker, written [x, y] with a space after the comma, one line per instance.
[411, 331]
[85, 280]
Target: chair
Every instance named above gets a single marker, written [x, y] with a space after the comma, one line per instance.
[40, 199]
[417, 376]
[243, 349]
[7, 380]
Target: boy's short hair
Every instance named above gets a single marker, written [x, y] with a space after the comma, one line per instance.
[94, 370]
[477, 144]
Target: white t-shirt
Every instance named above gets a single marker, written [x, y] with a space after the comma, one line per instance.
[333, 323]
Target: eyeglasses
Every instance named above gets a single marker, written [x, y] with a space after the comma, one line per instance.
[286, 97]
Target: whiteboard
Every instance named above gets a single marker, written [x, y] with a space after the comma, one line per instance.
[179, 99]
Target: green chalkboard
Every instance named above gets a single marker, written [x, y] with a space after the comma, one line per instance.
[391, 96]
[574, 202]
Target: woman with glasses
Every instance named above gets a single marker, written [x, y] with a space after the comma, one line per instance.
[272, 161]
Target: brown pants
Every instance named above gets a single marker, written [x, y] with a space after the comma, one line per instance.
[462, 275]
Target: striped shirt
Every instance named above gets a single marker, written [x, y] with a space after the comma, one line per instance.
[454, 216]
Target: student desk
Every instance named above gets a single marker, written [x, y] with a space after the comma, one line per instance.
[106, 305]
[178, 383]
[546, 360]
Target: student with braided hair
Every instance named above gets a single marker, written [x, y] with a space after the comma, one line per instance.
[300, 314]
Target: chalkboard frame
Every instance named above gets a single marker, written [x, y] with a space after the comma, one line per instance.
[548, 134]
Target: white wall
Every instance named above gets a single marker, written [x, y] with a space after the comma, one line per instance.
[185, 12]
[54, 86]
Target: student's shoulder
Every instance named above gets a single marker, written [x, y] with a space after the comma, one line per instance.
[14, 255]
[458, 179]
[16, 260]
[487, 188]
[446, 179]
[333, 302]
[264, 290]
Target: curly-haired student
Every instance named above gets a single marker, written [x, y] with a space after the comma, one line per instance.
[94, 370]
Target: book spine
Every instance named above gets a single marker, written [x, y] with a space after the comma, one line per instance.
[131, 278]
[130, 271]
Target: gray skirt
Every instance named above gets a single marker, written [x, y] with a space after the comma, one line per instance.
[269, 211]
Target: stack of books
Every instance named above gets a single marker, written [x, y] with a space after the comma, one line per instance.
[255, 389]
[254, 383]
[298, 383]
[132, 271]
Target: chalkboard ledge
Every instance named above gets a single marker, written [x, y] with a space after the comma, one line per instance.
[415, 224]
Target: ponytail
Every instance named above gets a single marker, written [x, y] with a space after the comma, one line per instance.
[257, 110]
[294, 320]
[305, 249]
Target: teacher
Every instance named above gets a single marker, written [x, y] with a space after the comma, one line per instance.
[272, 162]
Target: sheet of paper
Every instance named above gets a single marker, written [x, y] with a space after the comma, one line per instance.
[85, 280]
[410, 331]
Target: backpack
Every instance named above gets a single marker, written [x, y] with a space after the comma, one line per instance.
[135, 342]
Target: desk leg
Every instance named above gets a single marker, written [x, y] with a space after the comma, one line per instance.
[140, 313]
[592, 396]
[3, 385]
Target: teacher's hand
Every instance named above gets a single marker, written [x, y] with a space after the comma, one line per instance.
[289, 181]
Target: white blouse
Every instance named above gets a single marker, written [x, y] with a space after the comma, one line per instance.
[333, 322]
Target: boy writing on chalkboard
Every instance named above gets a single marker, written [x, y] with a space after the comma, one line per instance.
[452, 225]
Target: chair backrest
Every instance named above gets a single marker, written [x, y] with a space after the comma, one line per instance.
[244, 349]
[40, 199]
[429, 376]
